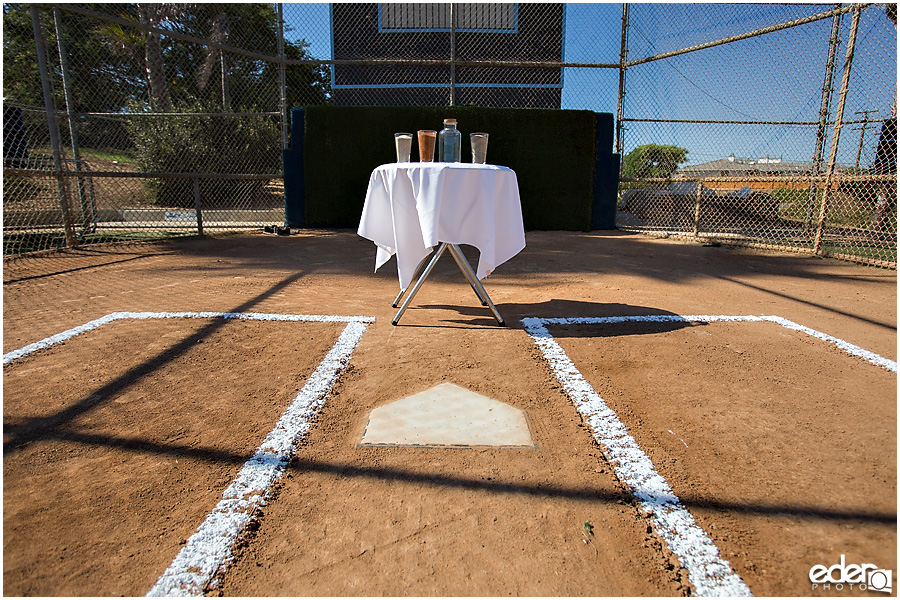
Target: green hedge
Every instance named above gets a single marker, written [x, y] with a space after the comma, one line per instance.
[551, 151]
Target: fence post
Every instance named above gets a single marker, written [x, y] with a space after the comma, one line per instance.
[620, 108]
[52, 123]
[838, 124]
[282, 78]
[824, 109]
[697, 211]
[452, 56]
[197, 207]
[88, 211]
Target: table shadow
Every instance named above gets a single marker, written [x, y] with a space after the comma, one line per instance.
[476, 316]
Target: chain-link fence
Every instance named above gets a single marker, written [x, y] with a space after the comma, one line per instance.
[789, 115]
[128, 121]
[769, 125]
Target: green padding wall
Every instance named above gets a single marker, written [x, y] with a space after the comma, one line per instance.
[551, 151]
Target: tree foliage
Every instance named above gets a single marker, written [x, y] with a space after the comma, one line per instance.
[653, 160]
[114, 67]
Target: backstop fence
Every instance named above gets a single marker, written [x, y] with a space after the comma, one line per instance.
[767, 125]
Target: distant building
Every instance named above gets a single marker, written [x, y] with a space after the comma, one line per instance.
[735, 167]
[483, 32]
[797, 174]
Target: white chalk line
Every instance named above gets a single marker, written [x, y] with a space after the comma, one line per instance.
[209, 550]
[707, 570]
[65, 335]
[845, 346]
[56, 339]
[710, 574]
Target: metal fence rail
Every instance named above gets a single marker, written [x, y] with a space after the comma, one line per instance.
[769, 125]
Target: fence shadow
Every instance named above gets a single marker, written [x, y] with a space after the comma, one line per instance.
[30, 430]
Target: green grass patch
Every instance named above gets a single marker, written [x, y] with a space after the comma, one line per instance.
[865, 253]
[45, 153]
[116, 155]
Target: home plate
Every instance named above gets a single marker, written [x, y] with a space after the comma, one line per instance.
[447, 415]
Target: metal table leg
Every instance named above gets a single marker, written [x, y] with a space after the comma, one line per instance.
[454, 249]
[422, 277]
[457, 254]
[467, 271]
[473, 279]
[415, 274]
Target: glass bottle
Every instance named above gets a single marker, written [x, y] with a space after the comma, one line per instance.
[449, 142]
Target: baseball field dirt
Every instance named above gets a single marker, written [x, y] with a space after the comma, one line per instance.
[120, 440]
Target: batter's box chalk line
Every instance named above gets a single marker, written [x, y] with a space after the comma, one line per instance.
[209, 550]
[710, 574]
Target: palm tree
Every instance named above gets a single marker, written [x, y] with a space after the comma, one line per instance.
[133, 42]
[219, 35]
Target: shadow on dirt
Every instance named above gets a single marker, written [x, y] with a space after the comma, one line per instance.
[477, 316]
[546, 253]
[384, 474]
[548, 256]
[18, 435]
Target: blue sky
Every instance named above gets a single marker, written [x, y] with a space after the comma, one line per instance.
[775, 77]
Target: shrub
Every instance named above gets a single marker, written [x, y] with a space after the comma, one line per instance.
[207, 144]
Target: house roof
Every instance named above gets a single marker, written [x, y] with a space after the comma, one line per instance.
[739, 166]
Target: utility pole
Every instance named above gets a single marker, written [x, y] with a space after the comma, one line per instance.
[862, 133]
[52, 122]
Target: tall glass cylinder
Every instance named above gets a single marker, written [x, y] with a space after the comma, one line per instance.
[449, 142]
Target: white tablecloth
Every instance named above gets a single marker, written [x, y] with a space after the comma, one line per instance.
[411, 207]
